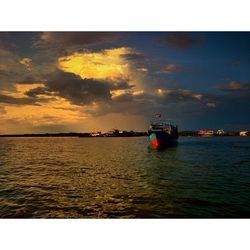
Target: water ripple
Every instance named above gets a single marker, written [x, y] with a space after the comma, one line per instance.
[124, 178]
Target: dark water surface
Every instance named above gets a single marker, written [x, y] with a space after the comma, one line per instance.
[124, 178]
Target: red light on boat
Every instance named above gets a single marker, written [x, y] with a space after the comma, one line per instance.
[155, 143]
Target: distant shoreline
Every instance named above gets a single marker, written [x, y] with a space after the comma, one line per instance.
[126, 134]
[88, 135]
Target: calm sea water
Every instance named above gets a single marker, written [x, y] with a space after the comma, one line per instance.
[124, 178]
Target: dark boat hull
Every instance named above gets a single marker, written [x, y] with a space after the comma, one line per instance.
[162, 139]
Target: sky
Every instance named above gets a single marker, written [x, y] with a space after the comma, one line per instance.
[96, 81]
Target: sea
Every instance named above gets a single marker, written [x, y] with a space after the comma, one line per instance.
[71, 177]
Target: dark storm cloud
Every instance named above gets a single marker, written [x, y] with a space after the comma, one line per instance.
[12, 76]
[180, 95]
[141, 104]
[37, 91]
[192, 109]
[8, 78]
[120, 85]
[138, 59]
[143, 62]
[77, 90]
[66, 39]
[29, 79]
[134, 56]
[123, 98]
[126, 104]
[177, 104]
[181, 40]
[212, 111]
[18, 101]
[234, 86]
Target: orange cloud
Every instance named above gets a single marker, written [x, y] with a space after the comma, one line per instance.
[55, 112]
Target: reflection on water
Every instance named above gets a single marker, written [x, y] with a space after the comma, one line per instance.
[124, 178]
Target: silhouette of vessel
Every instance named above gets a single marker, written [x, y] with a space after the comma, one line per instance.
[162, 132]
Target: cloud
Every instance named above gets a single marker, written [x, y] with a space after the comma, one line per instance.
[146, 104]
[179, 95]
[181, 40]
[9, 66]
[67, 39]
[77, 90]
[120, 85]
[126, 97]
[233, 86]
[134, 56]
[191, 109]
[127, 104]
[29, 79]
[137, 58]
[27, 63]
[37, 91]
[18, 101]
[140, 61]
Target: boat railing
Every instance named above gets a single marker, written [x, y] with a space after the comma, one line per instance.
[158, 122]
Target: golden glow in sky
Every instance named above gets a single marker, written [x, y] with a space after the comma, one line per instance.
[105, 64]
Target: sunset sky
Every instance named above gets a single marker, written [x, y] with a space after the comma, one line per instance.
[89, 81]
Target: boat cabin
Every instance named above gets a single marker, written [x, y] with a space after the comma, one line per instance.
[167, 126]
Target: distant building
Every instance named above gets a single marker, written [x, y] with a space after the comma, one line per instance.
[244, 133]
[220, 132]
[206, 133]
[96, 134]
[201, 132]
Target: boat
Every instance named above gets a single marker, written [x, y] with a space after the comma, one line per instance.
[162, 132]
